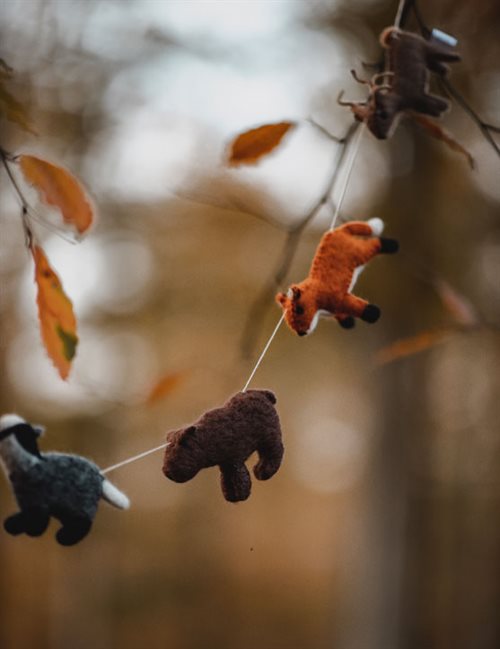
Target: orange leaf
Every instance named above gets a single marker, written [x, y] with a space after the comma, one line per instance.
[58, 187]
[437, 131]
[14, 111]
[250, 146]
[409, 346]
[164, 386]
[456, 304]
[55, 312]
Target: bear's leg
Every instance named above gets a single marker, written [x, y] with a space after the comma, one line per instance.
[33, 521]
[270, 456]
[235, 482]
[74, 529]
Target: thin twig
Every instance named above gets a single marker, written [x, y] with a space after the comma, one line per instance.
[28, 232]
[449, 89]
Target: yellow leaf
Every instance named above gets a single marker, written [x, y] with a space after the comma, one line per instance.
[14, 111]
[409, 346]
[249, 147]
[58, 187]
[55, 312]
[164, 386]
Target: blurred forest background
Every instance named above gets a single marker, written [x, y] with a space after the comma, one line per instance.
[382, 528]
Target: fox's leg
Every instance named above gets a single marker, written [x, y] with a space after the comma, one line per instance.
[360, 308]
[345, 321]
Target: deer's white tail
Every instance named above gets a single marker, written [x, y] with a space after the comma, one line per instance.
[114, 496]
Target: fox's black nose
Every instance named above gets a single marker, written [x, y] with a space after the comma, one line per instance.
[302, 333]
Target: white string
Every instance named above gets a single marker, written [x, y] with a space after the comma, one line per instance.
[349, 167]
[133, 459]
[353, 153]
[264, 352]
[354, 149]
[399, 13]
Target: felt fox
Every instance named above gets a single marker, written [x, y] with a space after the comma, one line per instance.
[338, 261]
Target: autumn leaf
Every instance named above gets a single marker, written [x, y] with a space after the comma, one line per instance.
[14, 111]
[409, 346]
[251, 146]
[55, 312]
[59, 188]
[165, 386]
[456, 304]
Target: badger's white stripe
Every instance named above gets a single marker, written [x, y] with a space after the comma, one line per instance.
[8, 421]
[114, 496]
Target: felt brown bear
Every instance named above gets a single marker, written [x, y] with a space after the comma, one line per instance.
[409, 61]
[226, 437]
[326, 291]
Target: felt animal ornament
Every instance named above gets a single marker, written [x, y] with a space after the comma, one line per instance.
[403, 88]
[226, 437]
[67, 487]
[340, 257]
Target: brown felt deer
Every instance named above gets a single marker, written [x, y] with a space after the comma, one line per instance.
[403, 88]
[339, 259]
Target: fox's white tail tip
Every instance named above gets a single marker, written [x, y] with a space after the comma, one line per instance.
[114, 496]
[377, 226]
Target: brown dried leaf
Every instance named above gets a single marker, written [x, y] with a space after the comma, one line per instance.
[13, 110]
[456, 304]
[55, 312]
[58, 187]
[251, 146]
[165, 386]
[409, 346]
[437, 131]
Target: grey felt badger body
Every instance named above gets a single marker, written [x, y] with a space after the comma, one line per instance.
[67, 487]
[226, 437]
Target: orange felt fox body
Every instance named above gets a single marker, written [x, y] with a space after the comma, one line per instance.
[339, 259]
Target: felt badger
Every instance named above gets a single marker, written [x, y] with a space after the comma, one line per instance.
[67, 487]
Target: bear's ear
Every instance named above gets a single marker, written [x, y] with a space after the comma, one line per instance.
[281, 298]
[296, 292]
[186, 436]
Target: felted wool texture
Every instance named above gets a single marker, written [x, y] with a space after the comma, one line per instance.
[327, 288]
[410, 58]
[65, 486]
[226, 437]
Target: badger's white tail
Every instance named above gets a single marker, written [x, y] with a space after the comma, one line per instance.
[114, 496]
